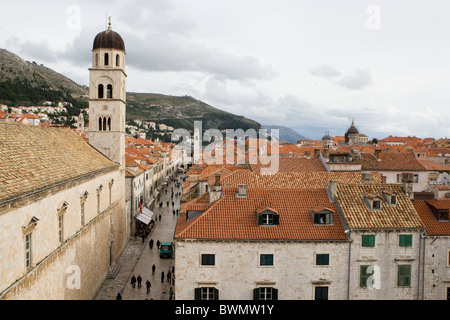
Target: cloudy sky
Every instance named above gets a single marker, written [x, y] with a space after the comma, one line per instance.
[311, 65]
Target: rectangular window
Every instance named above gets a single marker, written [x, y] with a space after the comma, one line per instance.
[393, 199]
[98, 202]
[267, 219]
[206, 293]
[377, 204]
[82, 213]
[208, 259]
[364, 275]
[322, 259]
[405, 240]
[448, 293]
[368, 241]
[321, 293]
[266, 260]
[28, 250]
[265, 293]
[60, 228]
[404, 276]
[416, 178]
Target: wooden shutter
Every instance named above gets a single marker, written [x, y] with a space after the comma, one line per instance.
[260, 219]
[404, 275]
[274, 294]
[216, 294]
[276, 219]
[198, 293]
[256, 294]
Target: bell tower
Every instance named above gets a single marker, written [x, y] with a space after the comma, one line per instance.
[107, 96]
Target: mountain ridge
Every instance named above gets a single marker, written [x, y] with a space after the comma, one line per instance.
[27, 83]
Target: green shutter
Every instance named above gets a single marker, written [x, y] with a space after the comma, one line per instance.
[274, 294]
[256, 294]
[198, 293]
[276, 219]
[260, 219]
[368, 240]
[363, 276]
[405, 240]
[322, 259]
[216, 294]
[404, 276]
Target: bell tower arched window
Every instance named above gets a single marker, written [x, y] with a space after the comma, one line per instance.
[100, 124]
[109, 123]
[109, 91]
[117, 60]
[96, 59]
[104, 124]
[100, 91]
[106, 59]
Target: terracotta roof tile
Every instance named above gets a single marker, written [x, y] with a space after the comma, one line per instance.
[33, 158]
[358, 215]
[433, 226]
[235, 218]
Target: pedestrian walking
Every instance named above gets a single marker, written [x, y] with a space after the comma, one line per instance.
[158, 244]
[133, 281]
[170, 293]
[159, 217]
[169, 276]
[173, 211]
[148, 285]
[119, 296]
[150, 243]
[162, 276]
[139, 281]
[153, 269]
[167, 204]
[173, 204]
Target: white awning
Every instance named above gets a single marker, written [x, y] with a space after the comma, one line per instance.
[148, 212]
[146, 216]
[143, 218]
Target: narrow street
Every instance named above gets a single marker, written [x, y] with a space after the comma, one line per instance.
[138, 258]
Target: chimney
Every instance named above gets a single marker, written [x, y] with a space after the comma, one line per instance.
[242, 191]
[366, 177]
[217, 179]
[378, 154]
[216, 191]
[407, 180]
[316, 153]
[332, 190]
[326, 153]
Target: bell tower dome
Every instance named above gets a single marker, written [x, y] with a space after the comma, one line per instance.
[107, 95]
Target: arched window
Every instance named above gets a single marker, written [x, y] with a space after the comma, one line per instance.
[109, 91]
[117, 60]
[100, 124]
[96, 59]
[106, 59]
[100, 91]
[104, 124]
[109, 123]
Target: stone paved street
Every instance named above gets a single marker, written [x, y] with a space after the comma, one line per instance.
[138, 258]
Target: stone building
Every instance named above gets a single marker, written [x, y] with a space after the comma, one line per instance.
[385, 233]
[63, 220]
[262, 244]
[435, 269]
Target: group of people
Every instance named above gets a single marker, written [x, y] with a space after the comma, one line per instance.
[138, 280]
[143, 231]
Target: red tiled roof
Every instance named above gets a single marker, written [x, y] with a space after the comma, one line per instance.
[391, 162]
[235, 218]
[358, 215]
[294, 165]
[293, 179]
[433, 226]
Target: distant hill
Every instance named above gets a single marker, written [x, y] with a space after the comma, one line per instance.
[285, 133]
[27, 83]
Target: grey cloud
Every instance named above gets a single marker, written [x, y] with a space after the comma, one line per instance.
[359, 79]
[325, 71]
[356, 80]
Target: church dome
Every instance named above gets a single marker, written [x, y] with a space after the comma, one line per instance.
[352, 129]
[109, 39]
